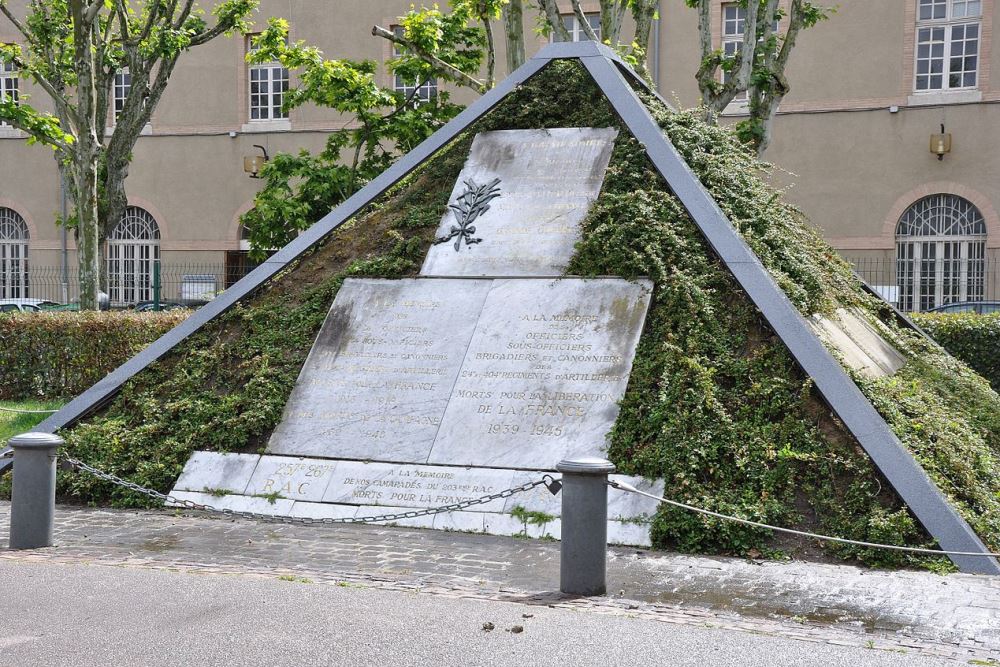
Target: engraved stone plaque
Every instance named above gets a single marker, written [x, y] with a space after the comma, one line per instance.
[217, 472]
[548, 363]
[378, 378]
[294, 478]
[531, 220]
[415, 486]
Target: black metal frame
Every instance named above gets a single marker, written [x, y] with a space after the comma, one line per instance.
[612, 76]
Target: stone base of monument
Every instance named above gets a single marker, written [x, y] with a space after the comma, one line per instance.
[323, 488]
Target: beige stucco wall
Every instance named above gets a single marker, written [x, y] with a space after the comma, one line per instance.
[853, 163]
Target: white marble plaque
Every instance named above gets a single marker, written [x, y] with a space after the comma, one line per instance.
[415, 486]
[293, 478]
[214, 471]
[548, 363]
[378, 378]
[547, 182]
[860, 346]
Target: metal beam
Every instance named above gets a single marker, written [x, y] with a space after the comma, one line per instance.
[836, 387]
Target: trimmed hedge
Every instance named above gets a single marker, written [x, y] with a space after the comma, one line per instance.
[57, 355]
[974, 339]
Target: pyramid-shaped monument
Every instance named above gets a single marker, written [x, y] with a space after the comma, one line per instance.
[580, 291]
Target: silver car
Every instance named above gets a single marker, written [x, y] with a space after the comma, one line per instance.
[25, 305]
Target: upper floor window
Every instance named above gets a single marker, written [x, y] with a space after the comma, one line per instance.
[417, 91]
[576, 31]
[13, 255]
[948, 34]
[940, 253]
[8, 84]
[122, 86]
[734, 22]
[268, 85]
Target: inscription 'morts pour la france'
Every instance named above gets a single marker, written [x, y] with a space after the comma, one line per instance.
[548, 179]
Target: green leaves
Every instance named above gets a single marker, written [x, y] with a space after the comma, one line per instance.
[974, 339]
[299, 189]
[61, 354]
[448, 36]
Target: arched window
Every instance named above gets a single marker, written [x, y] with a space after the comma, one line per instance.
[940, 253]
[13, 255]
[133, 246]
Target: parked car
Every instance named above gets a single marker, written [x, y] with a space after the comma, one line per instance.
[26, 305]
[103, 303]
[980, 307]
[149, 306]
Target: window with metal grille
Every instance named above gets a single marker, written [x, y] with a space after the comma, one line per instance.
[13, 255]
[948, 36]
[268, 86]
[133, 247]
[418, 92]
[940, 253]
[8, 85]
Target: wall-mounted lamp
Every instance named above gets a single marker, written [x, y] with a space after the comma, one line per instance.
[941, 143]
[253, 164]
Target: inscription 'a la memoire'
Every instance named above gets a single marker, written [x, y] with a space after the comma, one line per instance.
[468, 207]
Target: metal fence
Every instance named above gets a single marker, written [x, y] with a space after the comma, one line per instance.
[133, 283]
[915, 285]
[910, 284]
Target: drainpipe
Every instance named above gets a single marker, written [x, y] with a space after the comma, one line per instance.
[65, 249]
[656, 46]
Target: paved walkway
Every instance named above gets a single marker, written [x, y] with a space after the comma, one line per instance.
[955, 616]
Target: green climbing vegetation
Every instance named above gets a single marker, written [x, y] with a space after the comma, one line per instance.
[975, 339]
[715, 406]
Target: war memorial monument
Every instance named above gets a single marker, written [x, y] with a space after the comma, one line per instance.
[477, 376]
[493, 363]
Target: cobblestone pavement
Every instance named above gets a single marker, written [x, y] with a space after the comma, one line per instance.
[954, 616]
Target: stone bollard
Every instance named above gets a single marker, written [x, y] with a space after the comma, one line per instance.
[33, 497]
[584, 556]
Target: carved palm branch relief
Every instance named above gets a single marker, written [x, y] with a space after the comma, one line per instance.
[467, 208]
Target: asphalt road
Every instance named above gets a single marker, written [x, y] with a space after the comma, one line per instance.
[78, 615]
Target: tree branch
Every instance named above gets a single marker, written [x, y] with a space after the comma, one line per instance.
[124, 28]
[185, 13]
[584, 24]
[748, 48]
[93, 10]
[491, 54]
[63, 106]
[554, 20]
[154, 14]
[13, 19]
[448, 69]
[513, 18]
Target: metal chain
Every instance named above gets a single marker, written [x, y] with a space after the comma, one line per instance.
[28, 412]
[547, 480]
[625, 486]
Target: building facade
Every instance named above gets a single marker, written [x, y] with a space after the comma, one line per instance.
[852, 143]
